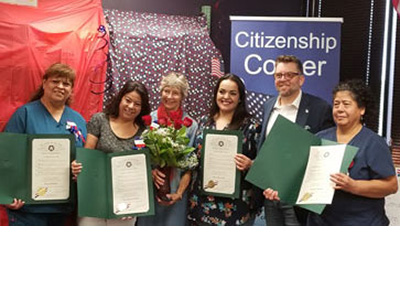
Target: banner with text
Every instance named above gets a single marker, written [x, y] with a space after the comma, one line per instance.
[257, 41]
[22, 2]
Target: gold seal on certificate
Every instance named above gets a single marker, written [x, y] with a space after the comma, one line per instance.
[41, 192]
[211, 184]
[305, 197]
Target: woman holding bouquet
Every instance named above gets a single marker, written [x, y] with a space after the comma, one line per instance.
[172, 209]
[116, 130]
[228, 112]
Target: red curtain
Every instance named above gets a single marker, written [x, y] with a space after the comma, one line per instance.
[3, 216]
[31, 39]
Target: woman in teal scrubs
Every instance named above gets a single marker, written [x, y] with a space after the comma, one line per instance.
[47, 113]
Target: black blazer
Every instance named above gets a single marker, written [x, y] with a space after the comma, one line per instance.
[314, 114]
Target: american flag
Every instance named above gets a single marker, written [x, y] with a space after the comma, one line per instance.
[216, 68]
[396, 4]
[255, 104]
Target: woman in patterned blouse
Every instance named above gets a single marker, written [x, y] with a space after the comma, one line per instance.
[228, 112]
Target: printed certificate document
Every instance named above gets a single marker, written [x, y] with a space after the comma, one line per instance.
[50, 169]
[115, 185]
[36, 168]
[129, 196]
[317, 188]
[219, 173]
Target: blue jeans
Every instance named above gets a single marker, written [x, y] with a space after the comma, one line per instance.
[279, 214]
[18, 218]
[174, 215]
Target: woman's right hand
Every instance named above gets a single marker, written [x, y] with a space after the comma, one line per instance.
[271, 195]
[76, 169]
[16, 205]
[243, 163]
[158, 178]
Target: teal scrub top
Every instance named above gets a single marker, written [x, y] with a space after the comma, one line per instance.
[34, 118]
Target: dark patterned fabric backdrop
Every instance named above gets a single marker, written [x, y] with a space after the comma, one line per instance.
[255, 104]
[146, 46]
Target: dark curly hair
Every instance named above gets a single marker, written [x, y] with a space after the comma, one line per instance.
[241, 112]
[112, 108]
[361, 93]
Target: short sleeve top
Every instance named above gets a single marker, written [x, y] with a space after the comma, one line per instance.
[108, 141]
[372, 161]
[34, 118]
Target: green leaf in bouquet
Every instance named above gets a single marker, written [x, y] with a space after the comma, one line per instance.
[187, 151]
[169, 147]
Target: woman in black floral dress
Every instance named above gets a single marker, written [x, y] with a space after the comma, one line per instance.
[228, 112]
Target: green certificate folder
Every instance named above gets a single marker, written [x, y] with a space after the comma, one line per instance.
[114, 185]
[283, 158]
[219, 176]
[36, 168]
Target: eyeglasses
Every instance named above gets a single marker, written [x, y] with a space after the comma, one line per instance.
[288, 75]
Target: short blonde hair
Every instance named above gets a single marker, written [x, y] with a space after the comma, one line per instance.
[175, 80]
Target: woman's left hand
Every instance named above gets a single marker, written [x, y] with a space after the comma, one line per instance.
[16, 205]
[243, 163]
[76, 169]
[158, 177]
[173, 199]
[343, 182]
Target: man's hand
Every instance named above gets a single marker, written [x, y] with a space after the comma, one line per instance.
[271, 195]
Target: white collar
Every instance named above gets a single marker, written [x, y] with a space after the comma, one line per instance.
[295, 103]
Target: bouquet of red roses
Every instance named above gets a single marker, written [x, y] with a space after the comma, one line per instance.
[168, 144]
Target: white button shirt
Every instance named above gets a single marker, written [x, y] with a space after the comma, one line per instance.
[289, 111]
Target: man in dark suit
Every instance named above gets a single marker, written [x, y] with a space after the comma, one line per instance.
[308, 111]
